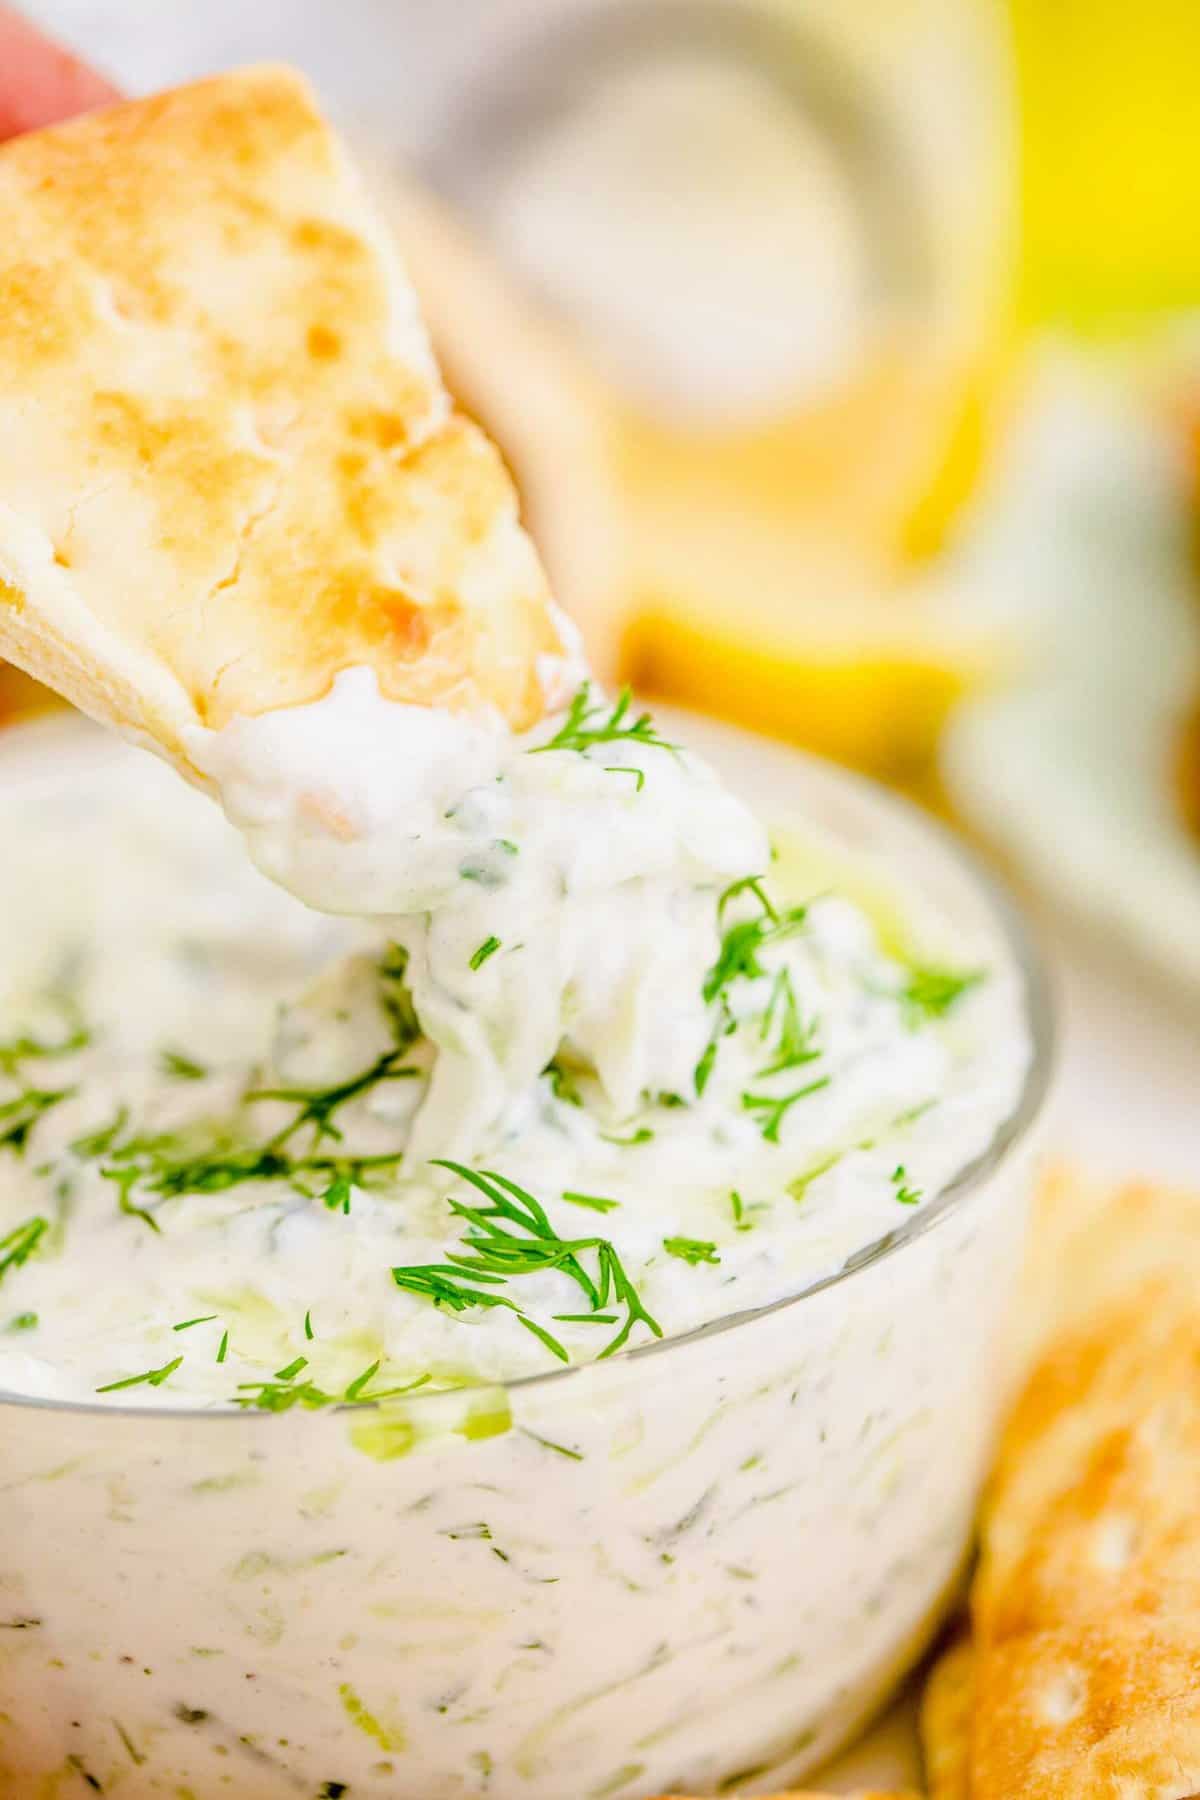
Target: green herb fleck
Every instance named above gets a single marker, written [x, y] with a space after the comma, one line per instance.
[489, 947]
[19, 1244]
[770, 1112]
[587, 723]
[639, 775]
[907, 1196]
[930, 992]
[180, 1067]
[186, 1324]
[149, 1378]
[691, 1250]
[594, 1202]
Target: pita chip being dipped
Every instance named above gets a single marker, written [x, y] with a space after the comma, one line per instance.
[228, 466]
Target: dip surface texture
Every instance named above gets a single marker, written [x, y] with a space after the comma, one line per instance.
[676, 1097]
[590, 1073]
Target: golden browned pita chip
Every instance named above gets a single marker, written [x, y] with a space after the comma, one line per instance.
[811, 1794]
[946, 1708]
[1084, 1679]
[228, 466]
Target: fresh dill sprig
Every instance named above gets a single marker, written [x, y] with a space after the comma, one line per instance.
[796, 1042]
[691, 1250]
[743, 942]
[740, 1221]
[19, 1244]
[186, 1324]
[283, 1391]
[148, 1378]
[591, 722]
[512, 1236]
[770, 1111]
[489, 947]
[316, 1106]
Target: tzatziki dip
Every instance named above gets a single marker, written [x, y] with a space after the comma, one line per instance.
[399, 1390]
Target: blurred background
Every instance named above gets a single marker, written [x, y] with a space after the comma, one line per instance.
[848, 359]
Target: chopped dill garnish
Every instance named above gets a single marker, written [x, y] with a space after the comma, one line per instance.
[594, 1202]
[26, 1047]
[395, 998]
[723, 1026]
[691, 1250]
[337, 1195]
[223, 1347]
[740, 1221]
[283, 1391]
[180, 1067]
[639, 775]
[186, 1324]
[589, 723]
[316, 1106]
[19, 1244]
[930, 992]
[19, 1116]
[23, 1321]
[309, 1333]
[749, 884]
[642, 1135]
[549, 1444]
[489, 947]
[563, 1084]
[742, 942]
[795, 1044]
[770, 1112]
[512, 1236]
[148, 1378]
[907, 1196]
[99, 1142]
[586, 1318]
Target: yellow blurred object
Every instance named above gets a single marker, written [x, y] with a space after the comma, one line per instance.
[1110, 127]
[782, 231]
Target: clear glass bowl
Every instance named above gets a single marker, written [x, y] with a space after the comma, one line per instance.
[704, 1562]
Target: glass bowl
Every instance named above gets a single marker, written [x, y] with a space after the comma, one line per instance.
[701, 1564]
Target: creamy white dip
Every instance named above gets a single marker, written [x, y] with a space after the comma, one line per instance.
[675, 1570]
[580, 982]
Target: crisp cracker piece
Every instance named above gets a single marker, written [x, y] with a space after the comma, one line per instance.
[228, 466]
[1084, 1678]
[946, 1709]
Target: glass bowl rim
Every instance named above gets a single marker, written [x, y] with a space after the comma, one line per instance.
[1013, 1131]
